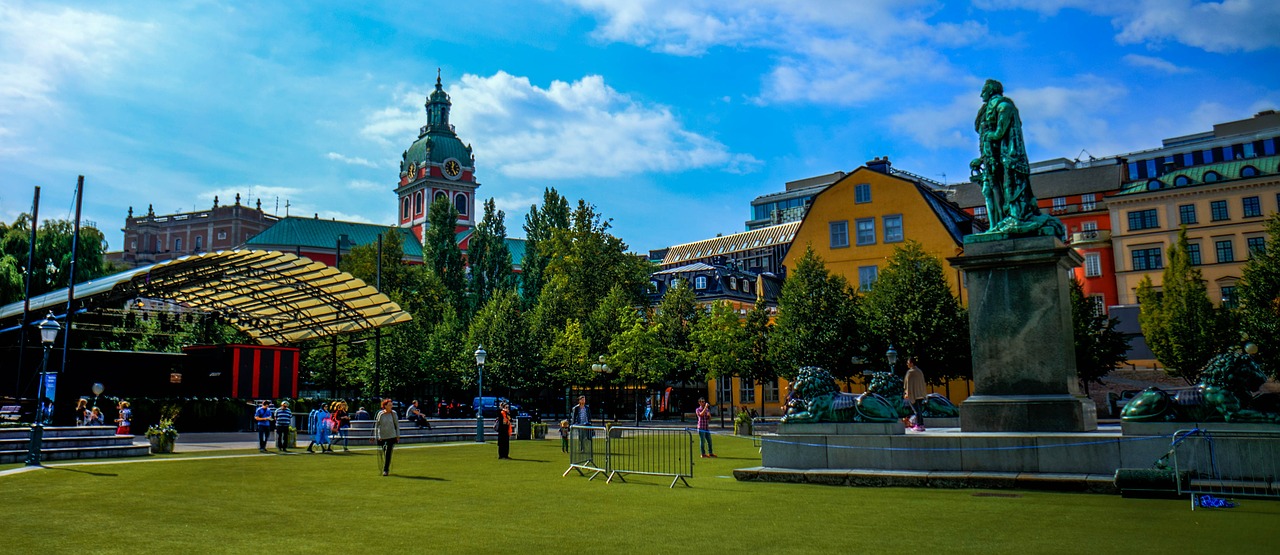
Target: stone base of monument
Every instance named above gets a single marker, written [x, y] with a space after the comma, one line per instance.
[841, 429]
[1167, 429]
[932, 422]
[1027, 413]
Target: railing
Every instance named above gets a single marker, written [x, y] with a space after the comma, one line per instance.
[1226, 463]
[621, 450]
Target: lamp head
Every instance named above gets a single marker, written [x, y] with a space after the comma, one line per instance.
[49, 329]
[98, 389]
[480, 354]
[892, 355]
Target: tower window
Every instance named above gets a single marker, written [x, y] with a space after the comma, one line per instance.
[417, 201]
[460, 202]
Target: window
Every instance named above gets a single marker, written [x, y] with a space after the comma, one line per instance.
[980, 212]
[866, 231]
[1193, 254]
[1225, 253]
[867, 277]
[893, 229]
[1089, 226]
[862, 193]
[199, 242]
[1187, 214]
[133, 245]
[1229, 298]
[733, 284]
[769, 390]
[177, 245]
[1252, 207]
[1092, 265]
[1256, 245]
[724, 391]
[1088, 202]
[746, 391]
[1248, 171]
[1059, 204]
[746, 286]
[1218, 211]
[1211, 176]
[1181, 181]
[404, 208]
[460, 202]
[1154, 184]
[700, 282]
[839, 234]
[417, 202]
[1208, 156]
[439, 195]
[1143, 219]
[222, 235]
[1099, 304]
[1147, 259]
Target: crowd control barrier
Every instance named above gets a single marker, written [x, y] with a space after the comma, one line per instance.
[623, 450]
[1226, 463]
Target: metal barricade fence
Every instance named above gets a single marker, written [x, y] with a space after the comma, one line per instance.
[1226, 463]
[623, 450]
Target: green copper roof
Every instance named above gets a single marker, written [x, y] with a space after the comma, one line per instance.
[437, 140]
[1226, 171]
[323, 234]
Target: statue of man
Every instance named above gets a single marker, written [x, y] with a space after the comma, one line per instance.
[1003, 170]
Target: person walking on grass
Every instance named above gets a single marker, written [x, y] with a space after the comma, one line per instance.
[262, 416]
[386, 432]
[915, 392]
[582, 417]
[123, 420]
[503, 426]
[342, 420]
[703, 412]
[284, 420]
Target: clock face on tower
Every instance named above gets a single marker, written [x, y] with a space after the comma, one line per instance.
[452, 169]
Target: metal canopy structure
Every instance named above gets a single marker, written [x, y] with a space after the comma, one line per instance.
[274, 297]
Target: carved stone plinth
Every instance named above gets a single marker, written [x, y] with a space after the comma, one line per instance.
[1024, 362]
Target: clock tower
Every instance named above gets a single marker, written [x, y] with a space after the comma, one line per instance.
[437, 165]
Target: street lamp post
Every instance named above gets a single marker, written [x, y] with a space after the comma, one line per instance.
[48, 334]
[480, 355]
[892, 356]
[602, 369]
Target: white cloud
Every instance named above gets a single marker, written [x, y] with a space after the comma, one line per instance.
[826, 51]
[946, 126]
[43, 48]
[570, 130]
[366, 185]
[1225, 26]
[356, 161]
[1158, 64]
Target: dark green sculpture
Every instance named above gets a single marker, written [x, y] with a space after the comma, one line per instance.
[1225, 394]
[817, 398]
[1003, 172]
[889, 386]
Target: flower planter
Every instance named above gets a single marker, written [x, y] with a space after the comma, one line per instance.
[160, 444]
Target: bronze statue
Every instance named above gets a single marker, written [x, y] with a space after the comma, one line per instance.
[1003, 172]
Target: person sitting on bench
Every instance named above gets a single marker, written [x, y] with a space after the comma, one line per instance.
[415, 415]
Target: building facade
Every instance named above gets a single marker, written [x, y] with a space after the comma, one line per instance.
[150, 238]
[326, 241]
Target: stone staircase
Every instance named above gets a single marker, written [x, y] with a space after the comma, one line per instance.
[442, 430]
[67, 442]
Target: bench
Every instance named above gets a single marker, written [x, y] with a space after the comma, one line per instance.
[10, 413]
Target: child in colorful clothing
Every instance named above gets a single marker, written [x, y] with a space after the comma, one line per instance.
[703, 412]
[564, 436]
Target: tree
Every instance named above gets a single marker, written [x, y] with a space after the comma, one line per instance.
[440, 248]
[817, 320]
[540, 224]
[489, 258]
[638, 352]
[604, 324]
[720, 343]
[567, 354]
[52, 260]
[676, 316]
[585, 262]
[759, 365]
[1259, 295]
[1099, 347]
[912, 308]
[1179, 322]
[501, 328]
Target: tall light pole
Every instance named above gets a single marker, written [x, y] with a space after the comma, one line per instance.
[892, 356]
[48, 334]
[602, 369]
[480, 355]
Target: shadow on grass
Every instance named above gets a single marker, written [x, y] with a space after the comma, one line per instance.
[527, 460]
[427, 478]
[76, 470]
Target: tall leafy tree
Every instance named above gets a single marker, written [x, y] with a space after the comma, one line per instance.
[440, 248]
[604, 323]
[489, 257]
[912, 308]
[501, 328]
[52, 262]
[566, 356]
[1259, 295]
[759, 365]
[677, 316]
[540, 224]
[638, 353]
[720, 343]
[585, 262]
[1099, 346]
[1180, 324]
[817, 320]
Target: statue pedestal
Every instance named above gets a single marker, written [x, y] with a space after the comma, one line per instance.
[1024, 361]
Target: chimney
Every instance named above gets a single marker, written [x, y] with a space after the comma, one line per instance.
[879, 164]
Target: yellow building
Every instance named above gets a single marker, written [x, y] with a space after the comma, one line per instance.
[854, 225]
[1223, 206]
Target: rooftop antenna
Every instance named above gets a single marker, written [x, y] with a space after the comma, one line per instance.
[1083, 151]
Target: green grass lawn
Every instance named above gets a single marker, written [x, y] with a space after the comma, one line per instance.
[458, 498]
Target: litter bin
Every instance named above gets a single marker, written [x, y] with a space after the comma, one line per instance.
[524, 428]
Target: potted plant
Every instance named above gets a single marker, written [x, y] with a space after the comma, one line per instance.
[742, 423]
[163, 435]
[539, 430]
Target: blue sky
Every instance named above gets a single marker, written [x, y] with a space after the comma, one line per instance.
[668, 116]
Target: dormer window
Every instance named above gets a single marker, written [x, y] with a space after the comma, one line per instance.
[700, 282]
[733, 284]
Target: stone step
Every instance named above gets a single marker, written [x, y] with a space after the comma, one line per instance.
[59, 431]
[47, 454]
[67, 442]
